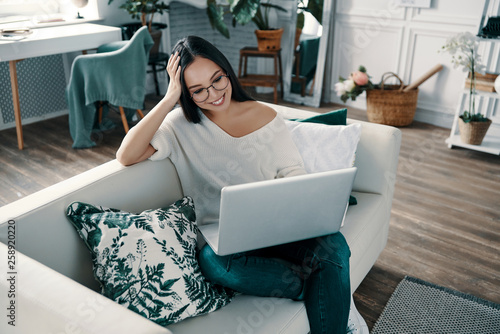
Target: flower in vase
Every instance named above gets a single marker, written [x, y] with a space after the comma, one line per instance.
[360, 78]
[354, 85]
[349, 85]
[340, 88]
[464, 53]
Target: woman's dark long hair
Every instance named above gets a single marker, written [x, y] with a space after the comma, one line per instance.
[191, 47]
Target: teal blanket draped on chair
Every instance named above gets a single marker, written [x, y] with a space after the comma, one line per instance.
[117, 76]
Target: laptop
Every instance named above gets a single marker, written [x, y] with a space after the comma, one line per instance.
[273, 212]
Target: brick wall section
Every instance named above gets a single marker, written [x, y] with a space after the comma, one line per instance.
[187, 20]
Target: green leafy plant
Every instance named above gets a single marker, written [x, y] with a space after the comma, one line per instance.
[242, 12]
[315, 7]
[464, 52]
[144, 9]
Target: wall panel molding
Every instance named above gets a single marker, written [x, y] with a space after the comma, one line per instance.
[348, 50]
[413, 34]
[429, 16]
[419, 34]
[370, 8]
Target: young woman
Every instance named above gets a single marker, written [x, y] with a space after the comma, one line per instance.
[221, 136]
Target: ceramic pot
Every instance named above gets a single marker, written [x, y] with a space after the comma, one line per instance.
[473, 132]
[269, 40]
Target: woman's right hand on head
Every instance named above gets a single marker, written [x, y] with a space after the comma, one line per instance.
[174, 71]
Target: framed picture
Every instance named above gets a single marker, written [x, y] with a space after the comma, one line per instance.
[414, 3]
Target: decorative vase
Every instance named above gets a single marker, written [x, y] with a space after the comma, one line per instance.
[473, 132]
[269, 40]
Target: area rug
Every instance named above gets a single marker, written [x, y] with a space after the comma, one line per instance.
[418, 307]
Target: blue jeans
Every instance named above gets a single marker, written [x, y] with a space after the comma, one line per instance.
[314, 270]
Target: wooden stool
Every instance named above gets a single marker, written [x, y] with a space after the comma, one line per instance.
[261, 80]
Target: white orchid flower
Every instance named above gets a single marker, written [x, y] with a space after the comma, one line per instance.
[349, 85]
[340, 88]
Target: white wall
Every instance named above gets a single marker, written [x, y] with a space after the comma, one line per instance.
[111, 14]
[387, 38]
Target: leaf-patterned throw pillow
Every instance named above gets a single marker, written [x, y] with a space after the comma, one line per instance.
[147, 262]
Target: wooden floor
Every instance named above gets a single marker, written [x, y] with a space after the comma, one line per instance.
[445, 222]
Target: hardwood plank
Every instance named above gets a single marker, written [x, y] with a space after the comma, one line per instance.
[460, 253]
[446, 211]
[374, 292]
[451, 200]
[438, 271]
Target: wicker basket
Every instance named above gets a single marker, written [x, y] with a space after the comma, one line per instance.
[473, 132]
[390, 105]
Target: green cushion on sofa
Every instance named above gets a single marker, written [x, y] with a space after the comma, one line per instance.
[334, 117]
[147, 262]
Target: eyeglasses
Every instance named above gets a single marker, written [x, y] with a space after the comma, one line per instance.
[202, 94]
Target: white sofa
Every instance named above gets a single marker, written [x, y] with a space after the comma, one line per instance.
[54, 289]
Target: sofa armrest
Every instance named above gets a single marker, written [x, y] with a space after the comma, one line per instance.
[107, 184]
[41, 220]
[43, 301]
[377, 157]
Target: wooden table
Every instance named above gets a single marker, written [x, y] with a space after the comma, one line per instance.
[261, 80]
[49, 41]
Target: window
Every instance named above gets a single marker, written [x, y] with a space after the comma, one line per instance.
[44, 10]
[28, 7]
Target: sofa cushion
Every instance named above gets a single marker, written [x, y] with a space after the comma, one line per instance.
[250, 315]
[366, 229]
[147, 262]
[334, 117]
[325, 147]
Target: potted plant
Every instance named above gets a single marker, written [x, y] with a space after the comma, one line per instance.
[244, 11]
[145, 10]
[464, 50]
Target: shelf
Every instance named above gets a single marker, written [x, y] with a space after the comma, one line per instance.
[259, 80]
[491, 143]
[493, 95]
[488, 39]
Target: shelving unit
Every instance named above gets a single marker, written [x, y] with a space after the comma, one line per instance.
[491, 142]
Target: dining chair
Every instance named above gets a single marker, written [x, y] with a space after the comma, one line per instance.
[115, 74]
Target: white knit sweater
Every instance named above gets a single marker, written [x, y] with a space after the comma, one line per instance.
[207, 158]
